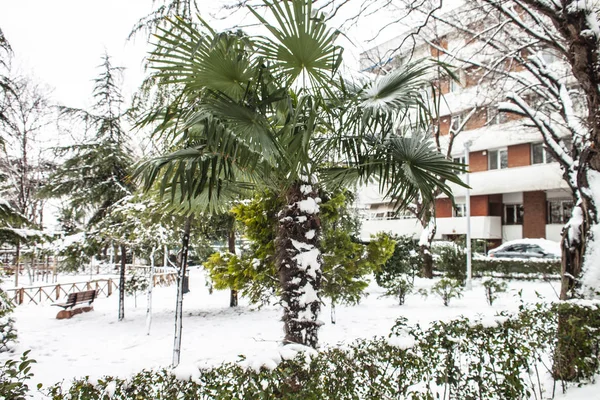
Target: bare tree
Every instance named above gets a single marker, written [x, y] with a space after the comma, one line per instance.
[543, 57]
[27, 114]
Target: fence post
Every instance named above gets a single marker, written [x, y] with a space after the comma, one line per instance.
[88, 286]
[21, 295]
[57, 288]
[109, 287]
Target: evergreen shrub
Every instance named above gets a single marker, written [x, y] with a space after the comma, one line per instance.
[8, 333]
[506, 357]
[492, 288]
[14, 375]
[447, 289]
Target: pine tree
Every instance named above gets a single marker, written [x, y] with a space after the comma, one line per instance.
[96, 173]
[5, 83]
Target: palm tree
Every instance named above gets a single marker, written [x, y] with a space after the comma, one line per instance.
[274, 112]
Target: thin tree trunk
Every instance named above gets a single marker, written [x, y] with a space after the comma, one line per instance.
[427, 270]
[185, 242]
[122, 283]
[299, 264]
[332, 314]
[17, 256]
[150, 287]
[233, 295]
[429, 229]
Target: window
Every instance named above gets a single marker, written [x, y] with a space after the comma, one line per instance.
[548, 56]
[460, 210]
[459, 160]
[456, 84]
[497, 159]
[539, 154]
[559, 211]
[513, 214]
[455, 123]
[494, 116]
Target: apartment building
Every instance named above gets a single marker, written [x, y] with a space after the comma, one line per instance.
[517, 190]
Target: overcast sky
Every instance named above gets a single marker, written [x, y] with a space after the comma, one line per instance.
[60, 42]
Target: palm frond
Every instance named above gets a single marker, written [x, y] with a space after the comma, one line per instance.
[414, 169]
[303, 45]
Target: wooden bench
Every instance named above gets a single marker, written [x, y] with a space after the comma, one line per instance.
[76, 299]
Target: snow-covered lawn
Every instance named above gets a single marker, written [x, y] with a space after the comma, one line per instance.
[96, 344]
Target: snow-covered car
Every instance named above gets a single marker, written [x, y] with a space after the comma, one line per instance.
[527, 248]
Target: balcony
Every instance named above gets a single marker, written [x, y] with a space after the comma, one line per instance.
[511, 180]
[481, 227]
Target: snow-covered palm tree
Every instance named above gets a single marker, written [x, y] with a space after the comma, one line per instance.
[273, 111]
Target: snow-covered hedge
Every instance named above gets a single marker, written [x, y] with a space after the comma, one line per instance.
[450, 260]
[506, 357]
[516, 268]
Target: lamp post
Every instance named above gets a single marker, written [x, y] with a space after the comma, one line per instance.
[468, 282]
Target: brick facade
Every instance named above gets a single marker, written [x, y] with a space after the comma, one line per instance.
[480, 206]
[473, 76]
[441, 42]
[444, 125]
[496, 206]
[477, 120]
[534, 215]
[443, 208]
[519, 155]
[478, 161]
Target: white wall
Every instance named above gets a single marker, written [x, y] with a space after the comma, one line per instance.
[553, 232]
[481, 227]
[512, 232]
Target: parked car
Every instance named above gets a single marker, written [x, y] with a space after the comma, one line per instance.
[527, 248]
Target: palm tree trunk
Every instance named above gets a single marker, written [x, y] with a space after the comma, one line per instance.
[429, 229]
[122, 283]
[233, 294]
[185, 244]
[299, 264]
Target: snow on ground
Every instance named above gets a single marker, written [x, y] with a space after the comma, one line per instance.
[96, 344]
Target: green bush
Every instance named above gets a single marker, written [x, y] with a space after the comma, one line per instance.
[14, 375]
[399, 287]
[405, 262]
[579, 340]
[503, 358]
[450, 258]
[492, 288]
[8, 333]
[447, 289]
